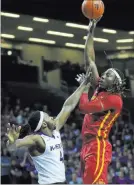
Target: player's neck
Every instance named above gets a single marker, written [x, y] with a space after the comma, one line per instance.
[47, 132]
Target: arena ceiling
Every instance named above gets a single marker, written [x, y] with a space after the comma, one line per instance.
[29, 29]
[118, 13]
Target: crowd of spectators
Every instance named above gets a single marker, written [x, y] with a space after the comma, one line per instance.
[18, 168]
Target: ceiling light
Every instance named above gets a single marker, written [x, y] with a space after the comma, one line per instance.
[42, 40]
[9, 15]
[77, 26]
[124, 40]
[109, 31]
[131, 32]
[74, 45]
[60, 33]
[25, 28]
[40, 19]
[7, 36]
[124, 47]
[98, 39]
[9, 53]
[101, 40]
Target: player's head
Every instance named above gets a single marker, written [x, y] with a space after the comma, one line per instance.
[112, 80]
[40, 121]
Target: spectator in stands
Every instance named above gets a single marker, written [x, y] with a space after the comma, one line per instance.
[75, 179]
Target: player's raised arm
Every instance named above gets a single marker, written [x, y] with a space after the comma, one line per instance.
[13, 141]
[70, 104]
[89, 53]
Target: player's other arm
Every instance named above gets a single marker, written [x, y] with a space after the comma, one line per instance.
[69, 106]
[111, 102]
[89, 53]
[13, 141]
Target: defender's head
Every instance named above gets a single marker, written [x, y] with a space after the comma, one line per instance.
[39, 121]
[111, 81]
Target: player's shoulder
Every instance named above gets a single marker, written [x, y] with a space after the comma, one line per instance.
[116, 99]
[116, 96]
[36, 137]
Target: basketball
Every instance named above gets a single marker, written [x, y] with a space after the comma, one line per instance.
[93, 9]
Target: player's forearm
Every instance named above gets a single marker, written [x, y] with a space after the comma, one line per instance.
[89, 54]
[68, 107]
[90, 108]
[74, 98]
[83, 101]
[86, 89]
[16, 144]
[11, 146]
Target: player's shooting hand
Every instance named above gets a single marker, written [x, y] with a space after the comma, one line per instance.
[93, 22]
[13, 133]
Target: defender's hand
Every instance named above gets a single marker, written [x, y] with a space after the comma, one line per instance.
[80, 78]
[83, 78]
[13, 133]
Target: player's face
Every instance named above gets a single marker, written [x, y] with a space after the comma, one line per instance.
[107, 79]
[49, 121]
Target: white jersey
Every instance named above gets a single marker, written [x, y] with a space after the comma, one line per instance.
[50, 165]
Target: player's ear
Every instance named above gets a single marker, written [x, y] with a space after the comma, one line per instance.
[44, 124]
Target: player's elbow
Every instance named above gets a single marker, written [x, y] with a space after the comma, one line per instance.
[17, 144]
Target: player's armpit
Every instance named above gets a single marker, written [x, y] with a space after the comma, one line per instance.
[83, 101]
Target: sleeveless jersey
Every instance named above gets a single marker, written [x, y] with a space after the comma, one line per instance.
[50, 164]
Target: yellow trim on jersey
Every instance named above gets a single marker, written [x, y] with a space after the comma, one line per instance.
[93, 97]
[102, 165]
[98, 155]
[115, 116]
[102, 123]
[98, 141]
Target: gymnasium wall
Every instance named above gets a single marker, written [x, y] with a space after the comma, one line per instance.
[35, 51]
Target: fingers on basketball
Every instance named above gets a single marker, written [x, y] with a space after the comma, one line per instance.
[93, 9]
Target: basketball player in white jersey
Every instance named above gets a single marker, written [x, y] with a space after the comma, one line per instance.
[44, 142]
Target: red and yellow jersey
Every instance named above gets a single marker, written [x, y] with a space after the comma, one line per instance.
[100, 114]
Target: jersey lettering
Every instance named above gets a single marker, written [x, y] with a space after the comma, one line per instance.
[57, 146]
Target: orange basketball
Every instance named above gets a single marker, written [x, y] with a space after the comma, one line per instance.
[93, 9]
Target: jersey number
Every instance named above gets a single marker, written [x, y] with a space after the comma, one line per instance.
[61, 156]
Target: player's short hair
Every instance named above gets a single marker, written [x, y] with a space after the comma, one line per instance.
[35, 120]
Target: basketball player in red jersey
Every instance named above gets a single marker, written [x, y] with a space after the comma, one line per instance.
[101, 113]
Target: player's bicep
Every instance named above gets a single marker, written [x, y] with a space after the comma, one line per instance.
[27, 141]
